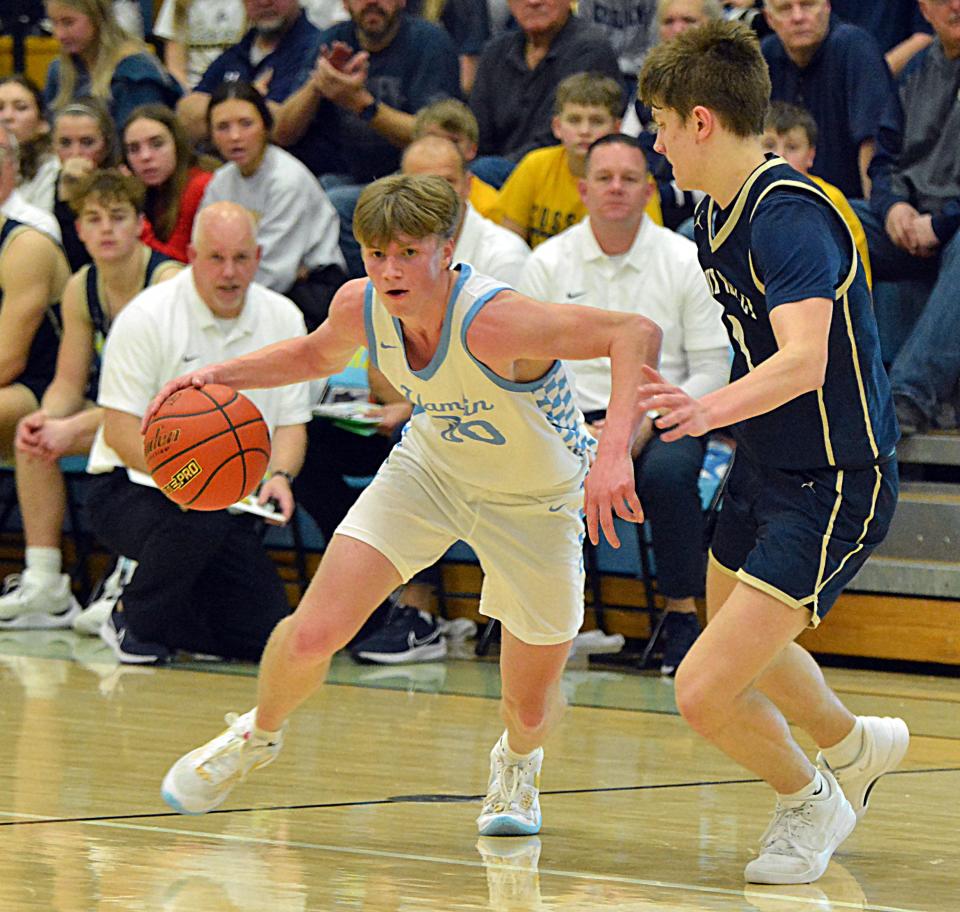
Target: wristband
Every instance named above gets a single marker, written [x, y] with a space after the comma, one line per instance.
[282, 474]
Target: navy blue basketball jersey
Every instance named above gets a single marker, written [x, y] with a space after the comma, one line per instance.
[781, 240]
[42, 357]
[99, 313]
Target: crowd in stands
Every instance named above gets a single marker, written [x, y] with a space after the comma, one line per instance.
[217, 152]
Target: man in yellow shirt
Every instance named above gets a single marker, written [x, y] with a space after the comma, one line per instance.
[541, 197]
[790, 132]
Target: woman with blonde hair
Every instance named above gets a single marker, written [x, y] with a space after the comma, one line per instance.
[98, 58]
[157, 151]
[84, 140]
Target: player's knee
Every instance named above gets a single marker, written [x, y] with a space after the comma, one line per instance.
[530, 715]
[312, 640]
[698, 700]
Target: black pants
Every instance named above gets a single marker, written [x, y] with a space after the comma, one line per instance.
[313, 293]
[667, 477]
[333, 453]
[204, 582]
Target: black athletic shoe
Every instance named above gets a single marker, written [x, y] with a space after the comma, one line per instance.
[680, 630]
[410, 636]
[126, 647]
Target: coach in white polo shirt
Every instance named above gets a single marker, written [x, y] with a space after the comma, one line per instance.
[618, 260]
[489, 248]
[204, 582]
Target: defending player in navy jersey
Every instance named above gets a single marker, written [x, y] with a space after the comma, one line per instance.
[496, 454]
[814, 483]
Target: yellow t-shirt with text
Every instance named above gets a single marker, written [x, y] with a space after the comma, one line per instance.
[541, 195]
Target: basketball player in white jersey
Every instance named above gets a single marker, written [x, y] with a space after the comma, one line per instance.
[495, 454]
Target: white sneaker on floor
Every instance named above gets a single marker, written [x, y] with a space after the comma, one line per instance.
[885, 743]
[33, 602]
[201, 780]
[802, 837]
[90, 619]
[512, 804]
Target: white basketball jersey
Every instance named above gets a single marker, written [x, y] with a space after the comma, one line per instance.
[469, 422]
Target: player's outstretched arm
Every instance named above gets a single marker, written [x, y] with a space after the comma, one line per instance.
[322, 353]
[802, 330]
[519, 338]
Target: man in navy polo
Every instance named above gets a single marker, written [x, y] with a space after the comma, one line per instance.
[360, 93]
[271, 55]
[837, 72]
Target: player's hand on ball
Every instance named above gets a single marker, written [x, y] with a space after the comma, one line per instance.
[194, 378]
[680, 415]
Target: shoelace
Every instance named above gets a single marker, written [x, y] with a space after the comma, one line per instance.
[501, 796]
[786, 829]
[218, 761]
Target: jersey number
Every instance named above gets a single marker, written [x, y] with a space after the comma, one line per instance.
[458, 430]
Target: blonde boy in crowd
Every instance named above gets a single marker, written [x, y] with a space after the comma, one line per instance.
[453, 120]
[791, 132]
[541, 197]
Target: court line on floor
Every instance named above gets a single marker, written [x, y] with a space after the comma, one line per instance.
[480, 865]
[24, 819]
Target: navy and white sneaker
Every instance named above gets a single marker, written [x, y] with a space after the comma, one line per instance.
[680, 631]
[126, 647]
[409, 636]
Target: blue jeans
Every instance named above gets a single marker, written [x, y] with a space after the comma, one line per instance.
[344, 196]
[927, 367]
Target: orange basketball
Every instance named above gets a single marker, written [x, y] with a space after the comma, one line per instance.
[207, 447]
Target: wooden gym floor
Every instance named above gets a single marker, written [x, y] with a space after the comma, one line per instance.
[371, 805]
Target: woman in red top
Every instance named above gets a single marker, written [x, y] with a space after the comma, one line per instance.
[157, 151]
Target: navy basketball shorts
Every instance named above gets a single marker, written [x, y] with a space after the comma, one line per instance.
[801, 536]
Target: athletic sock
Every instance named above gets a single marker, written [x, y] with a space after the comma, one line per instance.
[813, 789]
[44, 562]
[511, 756]
[847, 750]
[269, 737]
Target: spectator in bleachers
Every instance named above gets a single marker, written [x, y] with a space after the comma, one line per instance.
[98, 58]
[204, 581]
[297, 227]
[452, 119]
[468, 24]
[836, 72]
[84, 139]
[673, 18]
[23, 113]
[492, 250]
[195, 33]
[631, 26]
[541, 197]
[913, 218]
[33, 272]
[616, 259]
[518, 76]
[790, 132]
[158, 152]
[271, 54]
[109, 209]
[898, 25]
[373, 74]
